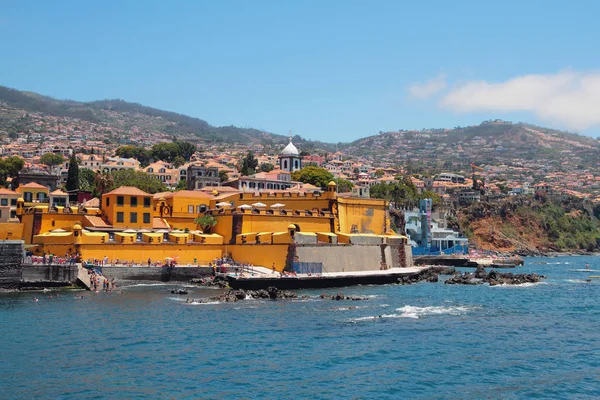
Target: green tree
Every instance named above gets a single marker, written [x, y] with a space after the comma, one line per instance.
[379, 173]
[223, 177]
[266, 167]
[140, 180]
[314, 175]
[249, 164]
[206, 222]
[186, 149]
[181, 185]
[10, 167]
[104, 182]
[178, 161]
[73, 173]
[139, 153]
[51, 159]
[87, 179]
[344, 185]
[165, 151]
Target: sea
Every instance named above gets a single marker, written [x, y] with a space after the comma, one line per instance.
[422, 341]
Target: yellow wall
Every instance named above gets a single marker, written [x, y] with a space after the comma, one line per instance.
[260, 254]
[180, 205]
[140, 252]
[112, 209]
[11, 231]
[280, 223]
[367, 215]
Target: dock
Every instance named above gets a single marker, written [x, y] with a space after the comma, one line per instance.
[263, 279]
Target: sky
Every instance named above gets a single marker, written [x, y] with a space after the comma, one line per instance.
[326, 70]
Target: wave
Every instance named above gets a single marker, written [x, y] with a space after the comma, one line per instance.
[376, 317]
[577, 280]
[521, 285]
[145, 284]
[417, 312]
[197, 303]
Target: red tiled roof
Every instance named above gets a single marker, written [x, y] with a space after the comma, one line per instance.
[7, 191]
[34, 185]
[128, 191]
[159, 223]
[96, 222]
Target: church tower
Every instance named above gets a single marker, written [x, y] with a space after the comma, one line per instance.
[289, 159]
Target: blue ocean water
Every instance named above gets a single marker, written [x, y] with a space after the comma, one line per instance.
[422, 341]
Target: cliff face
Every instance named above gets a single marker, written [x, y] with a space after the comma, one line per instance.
[530, 225]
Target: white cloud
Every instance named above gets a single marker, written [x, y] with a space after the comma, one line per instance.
[568, 98]
[428, 89]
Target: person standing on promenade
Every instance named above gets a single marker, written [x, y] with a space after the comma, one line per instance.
[149, 261]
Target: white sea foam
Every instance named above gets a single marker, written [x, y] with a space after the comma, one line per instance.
[376, 317]
[576, 281]
[145, 284]
[177, 298]
[202, 304]
[417, 312]
[522, 285]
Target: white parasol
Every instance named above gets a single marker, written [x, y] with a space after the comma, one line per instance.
[277, 205]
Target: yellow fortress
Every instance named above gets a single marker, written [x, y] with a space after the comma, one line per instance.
[278, 229]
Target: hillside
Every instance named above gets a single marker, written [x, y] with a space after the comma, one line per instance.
[128, 118]
[526, 225]
[491, 143]
[429, 150]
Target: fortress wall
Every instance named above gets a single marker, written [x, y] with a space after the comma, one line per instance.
[48, 275]
[338, 258]
[11, 254]
[177, 274]
[260, 254]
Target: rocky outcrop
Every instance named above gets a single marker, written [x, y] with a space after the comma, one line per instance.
[211, 281]
[232, 296]
[341, 296]
[494, 278]
[428, 275]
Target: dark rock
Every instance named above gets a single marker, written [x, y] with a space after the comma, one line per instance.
[341, 296]
[232, 296]
[211, 281]
[463, 279]
[494, 278]
[480, 272]
[179, 291]
[428, 275]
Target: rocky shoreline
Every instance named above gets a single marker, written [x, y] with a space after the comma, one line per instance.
[271, 293]
[493, 278]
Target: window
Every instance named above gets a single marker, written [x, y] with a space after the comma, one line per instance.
[146, 218]
[107, 202]
[13, 202]
[120, 217]
[133, 217]
[285, 164]
[150, 169]
[4, 202]
[162, 170]
[147, 202]
[191, 209]
[133, 201]
[120, 200]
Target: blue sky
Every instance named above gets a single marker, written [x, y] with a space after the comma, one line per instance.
[327, 70]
